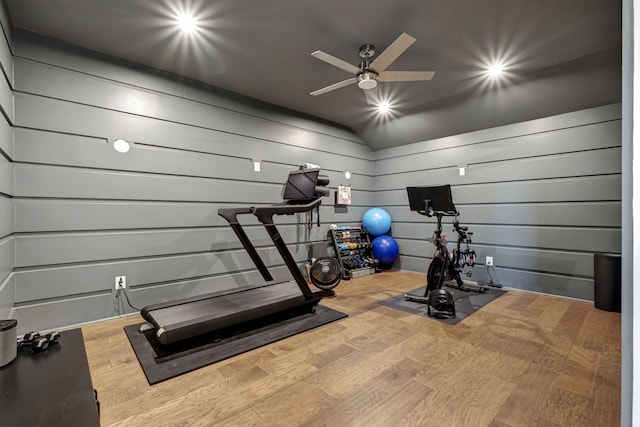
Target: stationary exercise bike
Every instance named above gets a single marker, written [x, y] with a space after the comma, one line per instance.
[445, 267]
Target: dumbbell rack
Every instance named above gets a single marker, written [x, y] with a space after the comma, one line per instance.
[354, 251]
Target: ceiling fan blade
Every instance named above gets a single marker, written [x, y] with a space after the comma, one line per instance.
[336, 62]
[405, 76]
[334, 86]
[371, 95]
[391, 53]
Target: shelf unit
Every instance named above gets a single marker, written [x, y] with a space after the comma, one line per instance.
[354, 251]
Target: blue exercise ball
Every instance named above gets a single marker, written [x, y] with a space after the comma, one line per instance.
[385, 249]
[376, 221]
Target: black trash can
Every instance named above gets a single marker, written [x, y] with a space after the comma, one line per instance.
[607, 282]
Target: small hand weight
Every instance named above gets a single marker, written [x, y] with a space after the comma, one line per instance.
[37, 342]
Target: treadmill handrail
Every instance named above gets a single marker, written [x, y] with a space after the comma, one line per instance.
[230, 214]
[265, 213]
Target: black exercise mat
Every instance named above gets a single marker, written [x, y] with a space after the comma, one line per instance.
[466, 302]
[161, 363]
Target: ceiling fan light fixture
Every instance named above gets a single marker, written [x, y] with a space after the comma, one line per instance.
[369, 72]
[367, 80]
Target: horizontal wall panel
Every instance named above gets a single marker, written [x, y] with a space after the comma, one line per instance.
[583, 138]
[6, 57]
[52, 148]
[553, 238]
[420, 265]
[94, 73]
[65, 117]
[61, 314]
[6, 216]
[596, 214]
[37, 284]
[68, 150]
[6, 138]
[65, 182]
[603, 187]
[586, 163]
[6, 176]
[81, 309]
[6, 100]
[62, 248]
[560, 262]
[7, 296]
[571, 287]
[7, 257]
[80, 88]
[37, 215]
[612, 112]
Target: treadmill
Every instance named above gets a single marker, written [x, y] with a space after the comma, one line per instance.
[187, 318]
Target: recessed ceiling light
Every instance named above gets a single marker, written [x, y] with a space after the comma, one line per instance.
[495, 70]
[383, 107]
[187, 23]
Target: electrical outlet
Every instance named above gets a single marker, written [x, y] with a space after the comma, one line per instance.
[120, 282]
[489, 261]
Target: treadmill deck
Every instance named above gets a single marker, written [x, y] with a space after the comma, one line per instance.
[187, 319]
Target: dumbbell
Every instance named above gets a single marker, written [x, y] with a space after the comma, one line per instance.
[37, 342]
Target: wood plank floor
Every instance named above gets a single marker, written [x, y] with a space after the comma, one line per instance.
[522, 360]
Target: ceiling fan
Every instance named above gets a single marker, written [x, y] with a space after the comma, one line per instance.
[368, 73]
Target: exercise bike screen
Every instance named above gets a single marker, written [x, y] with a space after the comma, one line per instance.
[439, 196]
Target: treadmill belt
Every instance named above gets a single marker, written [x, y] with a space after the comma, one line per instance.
[180, 321]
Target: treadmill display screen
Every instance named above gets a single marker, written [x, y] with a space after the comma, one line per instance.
[301, 185]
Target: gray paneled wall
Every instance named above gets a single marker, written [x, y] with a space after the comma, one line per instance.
[541, 197]
[7, 264]
[85, 213]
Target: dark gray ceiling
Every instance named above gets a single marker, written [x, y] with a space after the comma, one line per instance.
[562, 55]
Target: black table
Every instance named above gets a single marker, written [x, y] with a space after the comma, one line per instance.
[49, 388]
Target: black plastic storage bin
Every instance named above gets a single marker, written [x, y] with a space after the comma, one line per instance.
[607, 282]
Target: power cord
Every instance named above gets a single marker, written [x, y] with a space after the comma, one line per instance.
[126, 296]
[490, 279]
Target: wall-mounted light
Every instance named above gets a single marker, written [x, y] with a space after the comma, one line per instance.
[121, 146]
[347, 175]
